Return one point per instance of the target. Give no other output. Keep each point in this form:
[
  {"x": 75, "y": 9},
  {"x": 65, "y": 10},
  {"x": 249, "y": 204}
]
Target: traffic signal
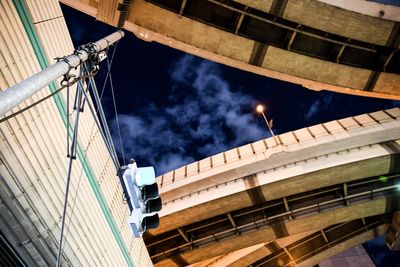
[{"x": 143, "y": 195}]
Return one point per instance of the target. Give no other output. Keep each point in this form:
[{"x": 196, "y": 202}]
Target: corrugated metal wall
[{"x": 33, "y": 159}]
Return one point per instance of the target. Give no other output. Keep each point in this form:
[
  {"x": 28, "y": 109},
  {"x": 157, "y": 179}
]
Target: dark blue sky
[
  {"x": 175, "y": 108},
  {"x": 388, "y": 2}
]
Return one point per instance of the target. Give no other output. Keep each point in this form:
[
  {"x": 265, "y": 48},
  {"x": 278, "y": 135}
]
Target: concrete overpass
[
  {"x": 358, "y": 151},
  {"x": 318, "y": 191},
  {"x": 344, "y": 46}
]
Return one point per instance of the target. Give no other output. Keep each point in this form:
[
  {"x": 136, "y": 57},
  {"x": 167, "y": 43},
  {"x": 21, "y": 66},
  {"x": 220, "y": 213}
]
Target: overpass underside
[
  {"x": 308, "y": 42},
  {"x": 318, "y": 191},
  {"x": 311, "y": 222}
]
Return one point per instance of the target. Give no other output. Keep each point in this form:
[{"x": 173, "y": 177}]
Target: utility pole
[
  {"x": 13, "y": 96},
  {"x": 18, "y": 93}
]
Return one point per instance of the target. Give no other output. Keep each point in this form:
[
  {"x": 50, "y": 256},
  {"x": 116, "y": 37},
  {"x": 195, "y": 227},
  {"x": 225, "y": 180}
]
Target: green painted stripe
[
  {"x": 40, "y": 55},
  {"x": 37, "y": 48}
]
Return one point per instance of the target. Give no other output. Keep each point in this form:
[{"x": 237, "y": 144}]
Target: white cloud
[
  {"x": 320, "y": 105},
  {"x": 202, "y": 116}
]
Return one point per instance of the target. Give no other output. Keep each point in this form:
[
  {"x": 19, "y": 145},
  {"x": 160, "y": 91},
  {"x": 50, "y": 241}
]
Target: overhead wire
[
  {"x": 103, "y": 131},
  {"x": 100, "y": 110},
  {"x": 116, "y": 115},
  {"x": 67, "y": 117},
  {"x": 69, "y": 171},
  {"x": 79, "y": 181},
  {"x": 108, "y": 138},
  {"x": 108, "y": 70},
  {"x": 78, "y": 106},
  {"x": 109, "y": 64}
]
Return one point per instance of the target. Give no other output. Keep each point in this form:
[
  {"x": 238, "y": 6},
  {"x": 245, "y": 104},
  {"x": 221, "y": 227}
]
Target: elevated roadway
[
  {"x": 345, "y": 46},
  {"x": 296, "y": 201}
]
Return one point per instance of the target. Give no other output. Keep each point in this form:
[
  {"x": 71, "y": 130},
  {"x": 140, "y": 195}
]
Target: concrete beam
[
  {"x": 355, "y": 241},
  {"x": 315, "y": 244},
  {"x": 107, "y": 11},
  {"x": 296, "y": 226},
  {"x": 368, "y": 8},
  {"x": 224, "y": 204},
  {"x": 247, "y": 256},
  {"x": 153, "y": 23},
  {"x": 339, "y": 21}
]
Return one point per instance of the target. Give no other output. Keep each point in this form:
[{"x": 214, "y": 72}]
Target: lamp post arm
[
  {"x": 19, "y": 92},
  {"x": 269, "y": 128}
]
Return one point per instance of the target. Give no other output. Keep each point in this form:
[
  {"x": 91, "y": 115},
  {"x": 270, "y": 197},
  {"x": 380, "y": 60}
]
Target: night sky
[{"x": 175, "y": 108}]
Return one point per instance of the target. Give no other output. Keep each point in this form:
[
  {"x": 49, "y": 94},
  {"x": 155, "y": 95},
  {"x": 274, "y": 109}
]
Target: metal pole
[
  {"x": 269, "y": 127},
  {"x": 18, "y": 93}
]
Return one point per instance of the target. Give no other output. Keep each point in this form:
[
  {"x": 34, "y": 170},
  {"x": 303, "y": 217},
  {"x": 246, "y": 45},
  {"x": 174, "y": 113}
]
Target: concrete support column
[{"x": 393, "y": 235}]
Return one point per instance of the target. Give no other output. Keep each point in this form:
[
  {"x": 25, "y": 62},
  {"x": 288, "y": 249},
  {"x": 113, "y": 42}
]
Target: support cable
[
  {"x": 95, "y": 118},
  {"x": 100, "y": 110},
  {"x": 80, "y": 100},
  {"x": 104, "y": 122},
  {"x": 112, "y": 155},
  {"x": 116, "y": 114},
  {"x": 69, "y": 172},
  {"x": 108, "y": 71},
  {"x": 125, "y": 197},
  {"x": 109, "y": 64},
  {"x": 79, "y": 182},
  {"x": 67, "y": 116}
]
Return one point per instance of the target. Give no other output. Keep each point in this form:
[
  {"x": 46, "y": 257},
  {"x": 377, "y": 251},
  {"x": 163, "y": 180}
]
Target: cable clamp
[{"x": 68, "y": 78}]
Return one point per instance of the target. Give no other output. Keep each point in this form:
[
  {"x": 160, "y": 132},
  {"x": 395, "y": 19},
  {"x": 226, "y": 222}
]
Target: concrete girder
[
  {"x": 223, "y": 47},
  {"x": 345, "y": 245},
  {"x": 314, "y": 248},
  {"x": 176, "y": 29},
  {"x": 338, "y": 173},
  {"x": 247, "y": 256},
  {"x": 277, "y": 224},
  {"x": 219, "y": 209},
  {"x": 343, "y": 173},
  {"x": 296, "y": 226}
]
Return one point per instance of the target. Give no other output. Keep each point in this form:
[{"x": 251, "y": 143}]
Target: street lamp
[{"x": 260, "y": 109}]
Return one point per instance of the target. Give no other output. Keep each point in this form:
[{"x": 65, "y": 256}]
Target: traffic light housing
[{"x": 144, "y": 198}]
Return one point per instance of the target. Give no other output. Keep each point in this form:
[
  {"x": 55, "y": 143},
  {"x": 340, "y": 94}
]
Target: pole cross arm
[{"x": 19, "y": 92}]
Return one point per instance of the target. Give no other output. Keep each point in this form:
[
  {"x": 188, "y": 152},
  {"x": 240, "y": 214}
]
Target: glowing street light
[{"x": 260, "y": 109}]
